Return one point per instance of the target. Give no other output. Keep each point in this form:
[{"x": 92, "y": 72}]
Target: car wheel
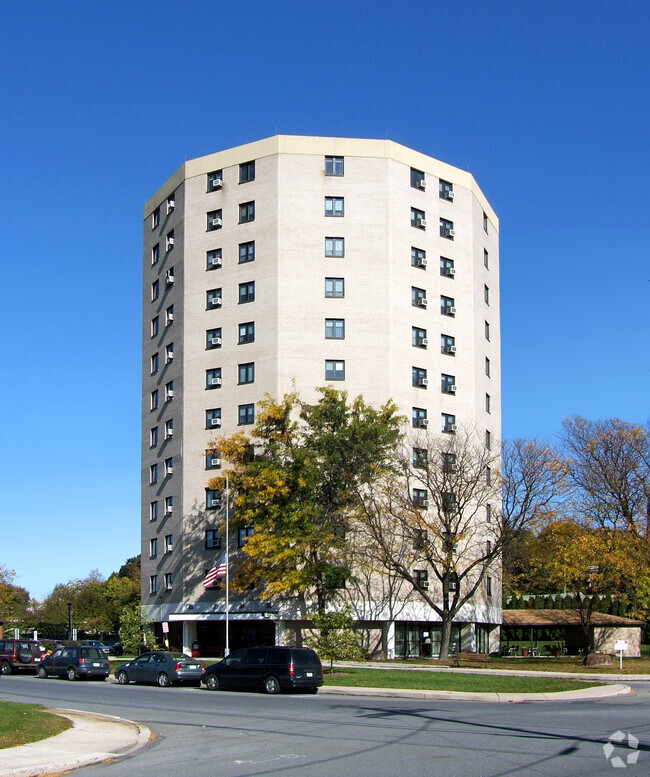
[
  {"x": 71, "y": 673},
  {"x": 212, "y": 682},
  {"x": 42, "y": 672},
  {"x": 122, "y": 678},
  {"x": 272, "y": 685},
  {"x": 6, "y": 669},
  {"x": 163, "y": 680}
]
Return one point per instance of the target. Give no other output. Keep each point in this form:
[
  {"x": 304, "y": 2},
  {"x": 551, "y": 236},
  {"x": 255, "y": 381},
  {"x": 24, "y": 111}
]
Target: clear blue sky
[{"x": 546, "y": 103}]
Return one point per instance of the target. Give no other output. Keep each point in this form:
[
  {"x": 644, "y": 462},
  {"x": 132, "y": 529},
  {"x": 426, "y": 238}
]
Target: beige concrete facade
[{"x": 290, "y": 227}]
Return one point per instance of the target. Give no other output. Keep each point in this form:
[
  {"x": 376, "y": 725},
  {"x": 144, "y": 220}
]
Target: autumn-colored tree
[
  {"x": 6, "y": 593},
  {"x": 294, "y": 481}
]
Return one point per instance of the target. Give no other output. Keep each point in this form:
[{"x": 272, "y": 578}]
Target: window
[
  {"x": 155, "y": 363},
  {"x": 246, "y": 414},
  {"x": 214, "y": 219},
  {"x": 488, "y": 439},
  {"x": 213, "y": 338},
  {"x": 418, "y": 297},
  {"x": 247, "y": 252},
  {"x": 212, "y": 499},
  {"x": 420, "y": 539},
  {"x": 419, "y": 377},
  {"x": 246, "y": 292},
  {"x": 488, "y": 586},
  {"x": 243, "y": 535},
  {"x": 421, "y": 578},
  {"x": 419, "y": 418},
  {"x": 155, "y": 326},
  {"x": 169, "y": 240},
  {"x": 247, "y": 373},
  {"x": 155, "y": 253},
  {"x": 154, "y": 399},
  {"x": 420, "y": 498},
  {"x": 247, "y": 332},
  {"x": 448, "y": 423},
  {"x": 445, "y": 190},
  {"x": 485, "y": 221},
  {"x": 247, "y": 172},
  {"x": 448, "y": 462},
  {"x": 212, "y": 539},
  {"x": 334, "y": 246},
  {"x": 153, "y": 437},
  {"x": 418, "y": 258},
  {"x": 153, "y": 474},
  {"x": 447, "y": 267},
  {"x": 334, "y": 287},
  {"x": 449, "y": 502},
  {"x": 447, "y": 384},
  {"x": 169, "y": 391},
  {"x": 333, "y": 165},
  {"x": 448, "y": 345},
  {"x": 169, "y": 429},
  {"x": 213, "y": 259},
  {"x": 213, "y": 418},
  {"x": 486, "y": 294},
  {"x": 487, "y": 366},
  {"x": 212, "y": 460},
  {"x": 488, "y": 404},
  {"x": 488, "y": 475},
  {"x": 417, "y": 179},
  {"x": 155, "y": 218},
  {"x": 487, "y": 330},
  {"x": 447, "y": 307},
  {"x": 247, "y": 212},
  {"x": 488, "y": 513},
  {"x": 418, "y": 218},
  {"x": 169, "y": 581},
  {"x": 169, "y": 277},
  {"x": 153, "y": 584},
  {"x": 213, "y": 299},
  {"x": 155, "y": 290},
  {"x": 334, "y": 369},
  {"x": 419, "y": 337},
  {"x": 334, "y": 206},
  {"x": 169, "y": 543},
  {"x": 486, "y": 259},
  {"x": 169, "y": 353},
  {"x": 169, "y": 466},
  {"x": 215, "y": 180},
  {"x": 153, "y": 511},
  {"x": 335, "y": 328},
  {"x": 169, "y": 315},
  {"x": 447, "y": 229},
  {"x": 420, "y": 458},
  {"x": 153, "y": 547},
  {"x": 213, "y": 378}
]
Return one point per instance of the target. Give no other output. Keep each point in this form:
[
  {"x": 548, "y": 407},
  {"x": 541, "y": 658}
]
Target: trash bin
[{"x": 196, "y": 653}]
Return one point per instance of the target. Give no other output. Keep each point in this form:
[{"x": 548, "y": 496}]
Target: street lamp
[{"x": 69, "y": 620}]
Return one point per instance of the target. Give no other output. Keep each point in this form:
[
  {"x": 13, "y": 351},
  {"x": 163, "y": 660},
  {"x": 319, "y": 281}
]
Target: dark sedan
[{"x": 161, "y": 667}]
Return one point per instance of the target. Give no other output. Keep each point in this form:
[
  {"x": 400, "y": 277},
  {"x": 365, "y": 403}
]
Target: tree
[
  {"x": 335, "y": 639},
  {"x": 295, "y": 482},
  {"x": 6, "y": 592},
  {"x": 135, "y": 629}
]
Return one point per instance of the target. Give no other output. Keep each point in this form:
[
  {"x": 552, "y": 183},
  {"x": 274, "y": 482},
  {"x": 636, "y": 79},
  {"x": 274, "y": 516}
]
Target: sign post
[{"x": 621, "y": 645}]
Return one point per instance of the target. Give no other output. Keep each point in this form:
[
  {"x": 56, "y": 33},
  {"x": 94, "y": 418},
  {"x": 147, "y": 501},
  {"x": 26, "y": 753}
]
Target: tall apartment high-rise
[{"x": 304, "y": 261}]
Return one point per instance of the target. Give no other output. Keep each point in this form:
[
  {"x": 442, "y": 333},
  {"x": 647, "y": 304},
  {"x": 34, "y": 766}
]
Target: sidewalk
[{"x": 92, "y": 739}]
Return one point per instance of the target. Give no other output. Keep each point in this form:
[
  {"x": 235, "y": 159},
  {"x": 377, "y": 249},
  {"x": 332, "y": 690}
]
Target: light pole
[{"x": 69, "y": 620}]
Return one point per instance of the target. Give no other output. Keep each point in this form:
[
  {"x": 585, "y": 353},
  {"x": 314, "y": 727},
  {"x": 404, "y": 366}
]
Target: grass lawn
[
  {"x": 24, "y": 723},
  {"x": 452, "y": 681},
  {"x": 571, "y": 664}
]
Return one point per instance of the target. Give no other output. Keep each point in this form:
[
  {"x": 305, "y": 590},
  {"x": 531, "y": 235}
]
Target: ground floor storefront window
[{"x": 422, "y": 640}]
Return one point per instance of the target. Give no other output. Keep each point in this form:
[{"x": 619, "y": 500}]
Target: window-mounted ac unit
[
  {"x": 424, "y": 584},
  {"x": 215, "y": 261},
  {"x": 216, "y": 302},
  {"x": 451, "y": 311},
  {"x": 216, "y": 461},
  {"x": 424, "y": 342},
  {"x": 169, "y": 549},
  {"x": 424, "y": 503},
  {"x": 422, "y": 223},
  {"x": 452, "y": 349},
  {"x": 170, "y": 470},
  {"x": 170, "y": 242},
  {"x": 449, "y": 194},
  {"x": 451, "y": 271},
  {"x": 215, "y": 381},
  {"x": 170, "y": 318},
  {"x": 170, "y": 206},
  {"x": 421, "y": 184},
  {"x": 424, "y": 422},
  {"x": 451, "y": 233},
  {"x": 423, "y": 382},
  {"x": 216, "y": 222},
  {"x": 215, "y": 422},
  {"x": 215, "y": 341},
  {"x": 217, "y": 183},
  {"x": 170, "y": 393},
  {"x": 453, "y": 427},
  {"x": 422, "y": 262},
  {"x": 169, "y": 434},
  {"x": 452, "y": 389},
  {"x": 423, "y": 302}
]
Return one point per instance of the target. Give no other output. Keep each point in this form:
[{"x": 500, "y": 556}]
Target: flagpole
[{"x": 227, "y": 650}]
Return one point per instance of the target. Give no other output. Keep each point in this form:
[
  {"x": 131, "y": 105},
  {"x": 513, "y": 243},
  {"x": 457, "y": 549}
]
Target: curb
[{"x": 92, "y": 739}]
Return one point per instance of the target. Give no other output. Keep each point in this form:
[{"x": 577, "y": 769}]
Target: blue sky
[{"x": 546, "y": 103}]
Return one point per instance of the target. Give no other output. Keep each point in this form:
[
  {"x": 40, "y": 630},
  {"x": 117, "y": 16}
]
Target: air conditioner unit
[
  {"x": 170, "y": 356},
  {"x": 449, "y": 194},
  {"x": 424, "y": 503},
  {"x": 170, "y": 206},
  {"x": 170, "y": 317},
  {"x": 216, "y": 302},
  {"x": 422, "y": 223},
  {"x": 170, "y": 242},
  {"x": 424, "y": 422},
  {"x": 215, "y": 341},
  {"x": 451, "y": 271},
  {"x": 451, "y": 233},
  {"x": 169, "y": 434},
  {"x": 215, "y": 381},
  {"x": 216, "y": 461},
  {"x": 453, "y": 427},
  {"x": 170, "y": 393},
  {"x": 423, "y": 302},
  {"x": 217, "y": 183},
  {"x": 169, "y": 549},
  {"x": 421, "y": 184},
  {"x": 169, "y": 279},
  {"x": 452, "y": 349},
  {"x": 424, "y": 584},
  {"x": 170, "y": 470},
  {"x": 216, "y": 222},
  {"x": 424, "y": 342},
  {"x": 422, "y": 262},
  {"x": 215, "y": 261},
  {"x": 451, "y": 311},
  {"x": 423, "y": 382},
  {"x": 215, "y": 422},
  {"x": 451, "y": 389}
]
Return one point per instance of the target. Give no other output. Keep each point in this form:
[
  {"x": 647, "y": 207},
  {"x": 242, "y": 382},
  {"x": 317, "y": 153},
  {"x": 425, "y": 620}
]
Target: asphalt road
[{"x": 204, "y": 734}]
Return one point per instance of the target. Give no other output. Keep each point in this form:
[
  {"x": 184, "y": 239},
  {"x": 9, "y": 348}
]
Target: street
[{"x": 204, "y": 734}]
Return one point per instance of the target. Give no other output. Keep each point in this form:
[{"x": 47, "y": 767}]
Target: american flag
[{"x": 218, "y": 570}]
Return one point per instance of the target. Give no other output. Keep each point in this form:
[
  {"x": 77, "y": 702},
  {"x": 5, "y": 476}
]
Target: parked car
[
  {"x": 19, "y": 655},
  {"x": 271, "y": 669},
  {"x": 75, "y": 661},
  {"x": 114, "y": 646},
  {"x": 162, "y": 667},
  {"x": 96, "y": 643}
]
